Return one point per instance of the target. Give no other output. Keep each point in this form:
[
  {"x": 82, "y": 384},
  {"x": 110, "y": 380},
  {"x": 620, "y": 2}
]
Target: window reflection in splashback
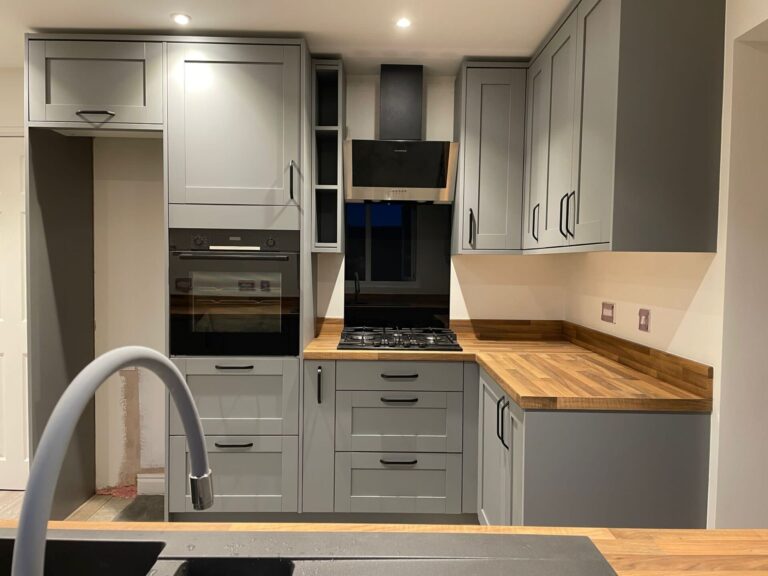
[{"x": 397, "y": 265}]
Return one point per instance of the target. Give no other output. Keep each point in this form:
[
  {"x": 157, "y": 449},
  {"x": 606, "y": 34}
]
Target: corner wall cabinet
[
  {"x": 97, "y": 83},
  {"x": 328, "y": 134},
  {"x": 490, "y": 124},
  {"x": 623, "y": 129},
  {"x": 234, "y": 124}
]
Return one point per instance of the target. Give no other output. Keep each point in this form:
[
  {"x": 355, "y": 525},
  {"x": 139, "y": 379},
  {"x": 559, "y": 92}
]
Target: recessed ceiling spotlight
[
  {"x": 403, "y": 23},
  {"x": 181, "y": 19}
]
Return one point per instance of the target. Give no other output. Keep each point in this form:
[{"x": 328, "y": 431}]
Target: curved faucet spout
[{"x": 29, "y": 549}]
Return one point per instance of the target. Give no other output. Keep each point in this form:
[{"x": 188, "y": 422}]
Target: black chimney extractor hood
[{"x": 401, "y": 103}]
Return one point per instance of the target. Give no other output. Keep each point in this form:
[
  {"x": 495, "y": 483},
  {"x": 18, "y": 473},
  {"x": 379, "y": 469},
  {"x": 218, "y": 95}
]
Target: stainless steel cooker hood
[{"x": 400, "y": 165}]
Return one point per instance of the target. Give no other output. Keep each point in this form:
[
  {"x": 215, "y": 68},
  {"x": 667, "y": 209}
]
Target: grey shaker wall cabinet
[
  {"x": 611, "y": 469},
  {"x": 490, "y": 123},
  {"x": 234, "y": 124},
  {"x": 646, "y": 143},
  {"x": 551, "y": 127},
  {"x": 97, "y": 84}
]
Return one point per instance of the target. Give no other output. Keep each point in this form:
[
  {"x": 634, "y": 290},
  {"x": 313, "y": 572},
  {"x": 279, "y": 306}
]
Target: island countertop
[
  {"x": 630, "y": 552},
  {"x": 586, "y": 371}
]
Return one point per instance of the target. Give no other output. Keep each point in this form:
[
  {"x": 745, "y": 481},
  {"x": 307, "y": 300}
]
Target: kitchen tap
[{"x": 29, "y": 549}]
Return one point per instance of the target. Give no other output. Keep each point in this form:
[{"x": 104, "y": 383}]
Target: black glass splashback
[{"x": 398, "y": 264}]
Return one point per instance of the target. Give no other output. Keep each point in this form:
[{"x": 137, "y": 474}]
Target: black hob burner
[{"x": 367, "y": 338}]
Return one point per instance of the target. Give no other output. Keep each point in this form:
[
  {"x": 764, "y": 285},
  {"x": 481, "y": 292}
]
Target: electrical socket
[
  {"x": 644, "y": 320},
  {"x": 607, "y": 314}
]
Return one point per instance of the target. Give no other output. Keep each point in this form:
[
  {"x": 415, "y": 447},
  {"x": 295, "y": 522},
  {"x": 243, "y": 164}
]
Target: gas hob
[{"x": 366, "y": 338}]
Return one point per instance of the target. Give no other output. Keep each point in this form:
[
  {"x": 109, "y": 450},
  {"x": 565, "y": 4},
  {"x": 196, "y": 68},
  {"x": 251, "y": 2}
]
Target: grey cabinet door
[
  {"x": 553, "y": 147},
  {"x": 96, "y": 83},
  {"x": 398, "y": 421},
  {"x": 251, "y": 473},
  {"x": 599, "y": 22},
  {"x": 242, "y": 396},
  {"x": 537, "y": 152},
  {"x": 494, "y": 469},
  {"x": 234, "y": 124},
  {"x": 562, "y": 132},
  {"x": 493, "y": 158},
  {"x": 318, "y": 436},
  {"x": 398, "y": 482}
]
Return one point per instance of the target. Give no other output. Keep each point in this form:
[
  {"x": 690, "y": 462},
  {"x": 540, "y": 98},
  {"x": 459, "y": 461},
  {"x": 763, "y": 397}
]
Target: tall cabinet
[{"x": 490, "y": 123}]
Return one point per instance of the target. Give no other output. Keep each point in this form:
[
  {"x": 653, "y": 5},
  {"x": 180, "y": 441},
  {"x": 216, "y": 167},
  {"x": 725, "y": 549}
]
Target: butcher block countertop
[
  {"x": 630, "y": 552},
  {"x": 558, "y": 366}
]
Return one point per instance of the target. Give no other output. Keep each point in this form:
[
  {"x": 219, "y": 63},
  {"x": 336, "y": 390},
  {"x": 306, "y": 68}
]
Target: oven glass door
[{"x": 234, "y": 304}]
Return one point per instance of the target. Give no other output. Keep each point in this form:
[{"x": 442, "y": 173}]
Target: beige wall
[
  {"x": 742, "y": 472},
  {"x": 129, "y": 296},
  {"x": 11, "y": 99}
]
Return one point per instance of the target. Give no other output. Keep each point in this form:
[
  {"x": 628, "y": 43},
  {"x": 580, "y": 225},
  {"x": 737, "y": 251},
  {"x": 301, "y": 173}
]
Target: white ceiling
[{"x": 362, "y": 31}]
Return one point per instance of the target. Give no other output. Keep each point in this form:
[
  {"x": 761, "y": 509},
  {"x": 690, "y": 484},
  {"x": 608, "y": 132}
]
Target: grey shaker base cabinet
[
  {"x": 611, "y": 469},
  {"x": 242, "y": 396},
  {"x": 398, "y": 482},
  {"x": 387, "y": 437},
  {"x": 250, "y": 474}
]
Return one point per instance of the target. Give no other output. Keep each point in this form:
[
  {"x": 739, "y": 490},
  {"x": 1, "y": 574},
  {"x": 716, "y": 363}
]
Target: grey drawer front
[
  {"x": 124, "y": 78},
  {"x": 257, "y": 474},
  {"x": 258, "y": 396},
  {"x": 389, "y": 421},
  {"x": 362, "y": 375},
  {"x": 431, "y": 485}
]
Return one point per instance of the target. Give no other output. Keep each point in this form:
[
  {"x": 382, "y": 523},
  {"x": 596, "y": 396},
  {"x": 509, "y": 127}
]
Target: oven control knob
[
  {"x": 198, "y": 241},
  {"x": 271, "y": 242}
]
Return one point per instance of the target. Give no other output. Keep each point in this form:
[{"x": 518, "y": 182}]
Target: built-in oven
[{"x": 234, "y": 292}]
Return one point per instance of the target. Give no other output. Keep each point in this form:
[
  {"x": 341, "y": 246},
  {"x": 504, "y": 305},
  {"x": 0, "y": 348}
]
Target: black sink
[
  {"x": 236, "y": 567},
  {"x": 91, "y": 558}
]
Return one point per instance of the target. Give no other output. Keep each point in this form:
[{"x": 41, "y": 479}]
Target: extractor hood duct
[{"x": 400, "y": 165}]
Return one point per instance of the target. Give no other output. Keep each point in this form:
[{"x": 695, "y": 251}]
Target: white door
[{"x": 14, "y": 452}]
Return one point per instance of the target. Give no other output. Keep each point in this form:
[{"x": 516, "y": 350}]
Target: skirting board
[{"x": 150, "y": 484}]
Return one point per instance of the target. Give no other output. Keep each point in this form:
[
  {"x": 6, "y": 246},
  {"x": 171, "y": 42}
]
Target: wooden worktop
[
  {"x": 630, "y": 552},
  {"x": 547, "y": 373}
]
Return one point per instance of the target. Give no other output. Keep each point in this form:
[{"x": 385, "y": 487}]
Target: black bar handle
[
  {"x": 501, "y": 436},
  {"x": 231, "y": 256},
  {"x": 398, "y": 462},
  {"x": 471, "y": 226},
  {"x": 399, "y": 400},
  {"x": 535, "y": 223},
  {"x": 235, "y": 367},
  {"x": 399, "y": 376},
  {"x": 291, "y": 165},
  {"x": 233, "y": 445},
  {"x": 568, "y": 215},
  {"x": 565, "y": 234},
  {"x": 319, "y": 384},
  {"x": 498, "y": 416},
  {"x": 89, "y": 112}
]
